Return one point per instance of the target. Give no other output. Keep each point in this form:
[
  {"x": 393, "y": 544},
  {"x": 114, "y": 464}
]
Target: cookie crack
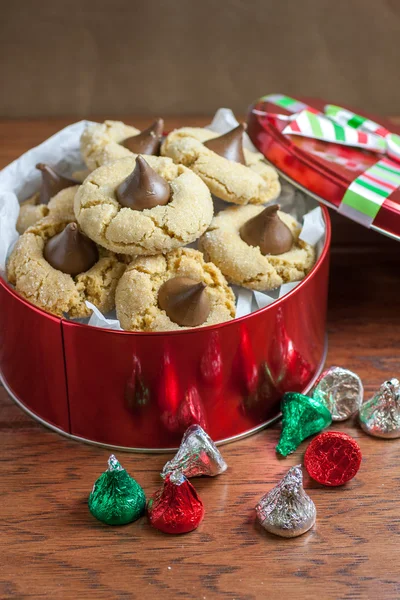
[
  {"x": 165, "y": 229},
  {"x": 103, "y": 234},
  {"x": 209, "y": 177},
  {"x": 96, "y": 202}
]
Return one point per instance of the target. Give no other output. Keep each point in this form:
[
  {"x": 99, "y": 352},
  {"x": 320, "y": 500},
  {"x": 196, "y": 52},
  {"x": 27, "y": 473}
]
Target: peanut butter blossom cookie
[
  {"x": 175, "y": 291},
  {"x": 102, "y": 143},
  {"x": 230, "y": 171},
  {"x": 55, "y": 197},
  {"x": 56, "y": 267},
  {"x": 143, "y": 205},
  {"x": 257, "y": 247}
]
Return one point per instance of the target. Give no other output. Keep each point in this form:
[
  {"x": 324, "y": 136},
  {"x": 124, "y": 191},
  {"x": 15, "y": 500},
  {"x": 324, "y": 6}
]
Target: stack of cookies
[{"x": 119, "y": 238}]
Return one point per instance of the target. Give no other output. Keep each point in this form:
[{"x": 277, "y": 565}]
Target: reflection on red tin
[
  {"x": 257, "y": 405},
  {"x": 137, "y": 395},
  {"x": 298, "y": 370},
  {"x": 246, "y": 364},
  {"x": 190, "y": 412},
  {"x": 288, "y": 368},
  {"x": 211, "y": 361},
  {"x": 168, "y": 391}
]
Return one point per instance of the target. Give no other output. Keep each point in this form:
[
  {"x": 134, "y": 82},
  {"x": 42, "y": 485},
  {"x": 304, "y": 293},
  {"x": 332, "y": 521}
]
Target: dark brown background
[{"x": 189, "y": 57}]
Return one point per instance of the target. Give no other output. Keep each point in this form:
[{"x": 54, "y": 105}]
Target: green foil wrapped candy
[
  {"x": 301, "y": 417},
  {"x": 116, "y": 498}
]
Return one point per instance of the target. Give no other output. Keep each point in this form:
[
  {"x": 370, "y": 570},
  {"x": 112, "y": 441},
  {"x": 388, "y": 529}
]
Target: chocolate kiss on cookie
[
  {"x": 148, "y": 141},
  {"x": 143, "y": 188},
  {"x": 52, "y": 183},
  {"x": 229, "y": 145},
  {"x": 185, "y": 301},
  {"x": 267, "y": 231},
  {"x": 71, "y": 251}
]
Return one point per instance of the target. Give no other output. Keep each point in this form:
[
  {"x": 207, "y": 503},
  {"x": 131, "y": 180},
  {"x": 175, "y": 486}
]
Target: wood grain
[{"x": 51, "y": 547}]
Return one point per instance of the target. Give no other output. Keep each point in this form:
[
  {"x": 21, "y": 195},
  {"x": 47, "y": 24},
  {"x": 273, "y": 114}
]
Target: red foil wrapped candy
[
  {"x": 332, "y": 458},
  {"x": 175, "y": 507}
]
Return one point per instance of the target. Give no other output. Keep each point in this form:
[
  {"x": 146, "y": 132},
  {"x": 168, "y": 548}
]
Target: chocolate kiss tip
[
  {"x": 148, "y": 141},
  {"x": 229, "y": 145},
  {"x": 71, "y": 251},
  {"x": 143, "y": 188},
  {"x": 185, "y": 301},
  {"x": 52, "y": 183},
  {"x": 267, "y": 231}
]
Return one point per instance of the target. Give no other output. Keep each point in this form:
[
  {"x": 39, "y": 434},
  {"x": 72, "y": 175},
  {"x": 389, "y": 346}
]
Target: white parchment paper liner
[{"x": 20, "y": 179}]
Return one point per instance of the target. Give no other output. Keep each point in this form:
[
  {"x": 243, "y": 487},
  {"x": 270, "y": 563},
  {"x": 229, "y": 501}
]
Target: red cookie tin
[
  {"x": 323, "y": 170},
  {"x": 140, "y": 391}
]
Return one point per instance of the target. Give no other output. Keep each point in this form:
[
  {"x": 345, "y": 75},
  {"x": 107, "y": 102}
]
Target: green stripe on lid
[
  {"x": 360, "y": 203},
  {"x": 315, "y": 126},
  {"x": 372, "y": 188},
  {"x": 339, "y": 132},
  {"x": 356, "y": 121},
  {"x": 286, "y": 101},
  {"x": 388, "y": 169}
]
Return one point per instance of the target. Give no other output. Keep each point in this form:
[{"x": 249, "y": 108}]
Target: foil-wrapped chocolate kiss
[
  {"x": 340, "y": 390},
  {"x": 197, "y": 455},
  {"x": 380, "y": 416},
  {"x": 287, "y": 510}
]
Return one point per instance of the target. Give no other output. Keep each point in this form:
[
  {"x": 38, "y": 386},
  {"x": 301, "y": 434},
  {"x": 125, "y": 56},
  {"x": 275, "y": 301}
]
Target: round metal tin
[{"x": 140, "y": 391}]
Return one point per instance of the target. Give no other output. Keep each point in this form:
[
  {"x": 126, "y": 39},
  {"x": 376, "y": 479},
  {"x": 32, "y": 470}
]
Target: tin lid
[{"x": 324, "y": 170}]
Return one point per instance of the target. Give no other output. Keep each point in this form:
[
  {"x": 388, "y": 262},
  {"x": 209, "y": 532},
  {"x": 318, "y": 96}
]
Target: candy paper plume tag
[{"x": 197, "y": 455}]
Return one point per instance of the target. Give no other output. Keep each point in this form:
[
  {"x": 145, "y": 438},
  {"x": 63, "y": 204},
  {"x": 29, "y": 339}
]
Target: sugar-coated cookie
[
  {"x": 102, "y": 143},
  {"x": 60, "y": 206},
  {"x": 254, "y": 182},
  {"x": 244, "y": 264},
  {"x": 53, "y": 290},
  {"x": 124, "y": 225},
  {"x": 38, "y": 206},
  {"x": 137, "y": 296}
]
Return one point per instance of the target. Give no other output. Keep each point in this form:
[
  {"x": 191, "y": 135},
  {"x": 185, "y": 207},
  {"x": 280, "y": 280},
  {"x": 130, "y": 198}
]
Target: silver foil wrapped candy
[
  {"x": 287, "y": 510},
  {"x": 197, "y": 455},
  {"x": 380, "y": 416},
  {"x": 340, "y": 390}
]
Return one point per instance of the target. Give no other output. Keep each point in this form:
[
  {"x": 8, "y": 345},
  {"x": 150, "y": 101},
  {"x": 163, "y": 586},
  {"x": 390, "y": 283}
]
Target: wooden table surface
[{"x": 51, "y": 547}]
